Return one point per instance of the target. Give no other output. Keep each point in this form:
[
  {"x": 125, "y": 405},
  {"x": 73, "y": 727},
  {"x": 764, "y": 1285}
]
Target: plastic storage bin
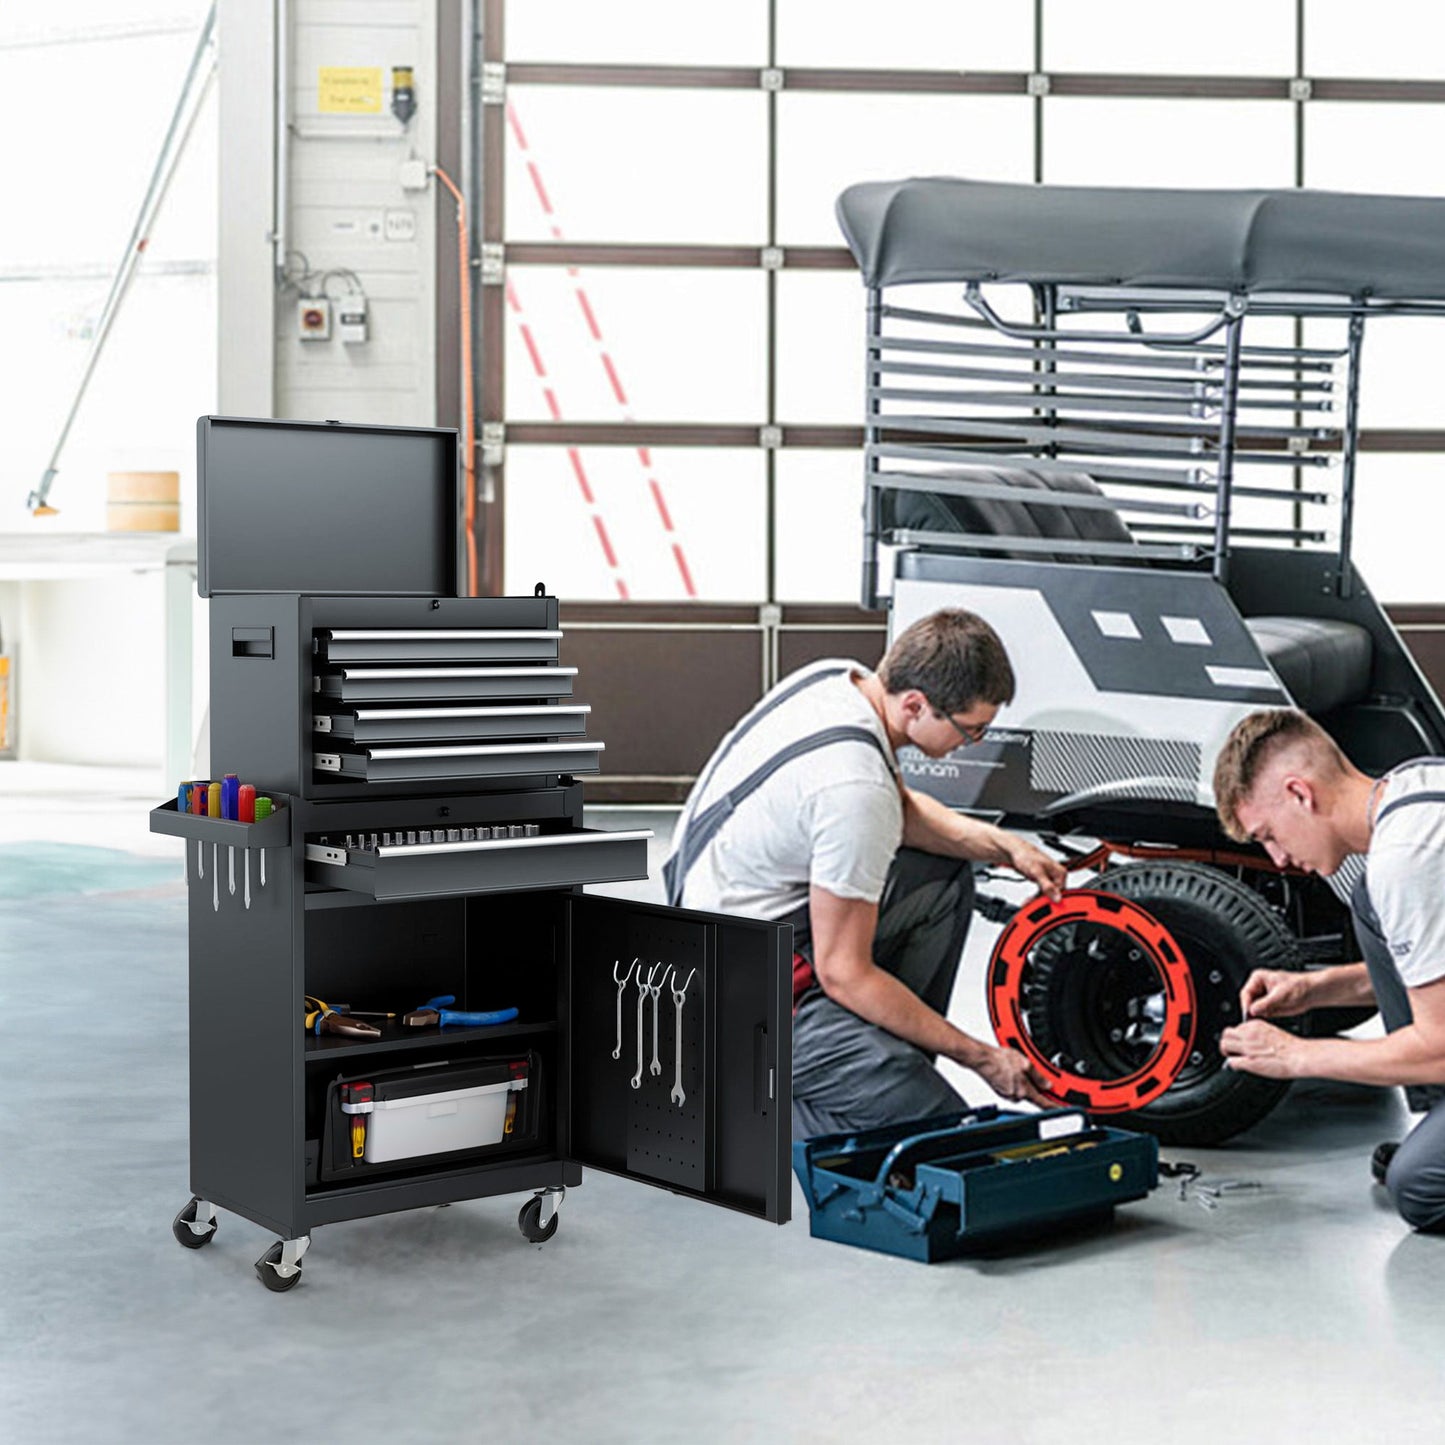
[{"x": 426, "y": 1112}]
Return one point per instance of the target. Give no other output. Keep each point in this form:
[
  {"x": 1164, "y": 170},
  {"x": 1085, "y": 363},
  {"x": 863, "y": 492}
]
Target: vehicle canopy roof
[{"x": 1292, "y": 241}]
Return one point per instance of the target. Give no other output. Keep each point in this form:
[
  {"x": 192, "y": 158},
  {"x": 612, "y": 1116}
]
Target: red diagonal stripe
[
  {"x": 682, "y": 567},
  {"x": 645, "y": 453},
  {"x": 541, "y": 189},
  {"x": 661, "y": 505},
  {"x": 614, "y": 379},
  {"x": 512, "y": 300},
  {"x": 532, "y": 350},
  {"x": 516, "y": 127},
  {"x": 622, "y": 591},
  {"x": 592, "y": 325},
  {"x": 552, "y": 403},
  {"x": 581, "y": 472},
  {"x": 605, "y": 540}
]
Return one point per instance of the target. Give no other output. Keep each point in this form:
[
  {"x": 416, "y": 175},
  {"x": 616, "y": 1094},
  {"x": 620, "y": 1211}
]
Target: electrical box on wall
[
  {"x": 351, "y": 319},
  {"x": 313, "y": 318}
]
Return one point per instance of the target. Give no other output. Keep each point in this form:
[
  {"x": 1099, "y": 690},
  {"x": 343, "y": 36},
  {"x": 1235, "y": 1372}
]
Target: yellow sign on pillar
[{"x": 349, "y": 90}]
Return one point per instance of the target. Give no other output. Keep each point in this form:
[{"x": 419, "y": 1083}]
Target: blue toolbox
[{"x": 932, "y": 1189}]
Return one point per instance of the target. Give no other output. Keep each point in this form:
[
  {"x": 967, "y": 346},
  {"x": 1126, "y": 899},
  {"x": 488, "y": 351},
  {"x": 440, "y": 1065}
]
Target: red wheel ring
[{"x": 1009, "y": 963}]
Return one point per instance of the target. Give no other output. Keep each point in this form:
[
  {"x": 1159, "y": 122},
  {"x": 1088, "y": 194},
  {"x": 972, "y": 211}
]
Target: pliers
[
  {"x": 321, "y": 1018},
  {"x": 435, "y": 1011}
]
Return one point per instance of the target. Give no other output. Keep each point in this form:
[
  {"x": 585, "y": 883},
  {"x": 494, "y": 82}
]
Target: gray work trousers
[
  {"x": 849, "y": 1074},
  {"x": 1416, "y": 1178}
]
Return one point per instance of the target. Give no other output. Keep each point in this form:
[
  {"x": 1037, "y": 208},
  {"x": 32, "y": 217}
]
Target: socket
[{"x": 313, "y": 318}]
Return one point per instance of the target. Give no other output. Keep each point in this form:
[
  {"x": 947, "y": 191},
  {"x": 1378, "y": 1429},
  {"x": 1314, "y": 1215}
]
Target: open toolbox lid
[{"x": 328, "y": 508}]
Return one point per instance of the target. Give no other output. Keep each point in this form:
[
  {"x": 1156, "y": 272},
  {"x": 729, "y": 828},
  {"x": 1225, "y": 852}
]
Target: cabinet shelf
[{"x": 393, "y": 1037}]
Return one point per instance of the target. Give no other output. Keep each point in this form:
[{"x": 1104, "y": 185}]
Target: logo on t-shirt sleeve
[{"x": 1401, "y": 950}]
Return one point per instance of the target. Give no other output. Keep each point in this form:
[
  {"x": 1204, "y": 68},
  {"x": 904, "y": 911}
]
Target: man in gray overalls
[
  {"x": 801, "y": 816},
  {"x": 1282, "y": 782}
]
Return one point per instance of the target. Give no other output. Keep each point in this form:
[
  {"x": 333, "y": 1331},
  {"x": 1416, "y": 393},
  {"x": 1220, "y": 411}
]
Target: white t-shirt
[
  {"x": 832, "y": 817},
  {"x": 1406, "y": 874}
]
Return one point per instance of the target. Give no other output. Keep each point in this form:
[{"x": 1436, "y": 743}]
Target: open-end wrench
[
  {"x": 642, "y": 986},
  {"x": 655, "y": 1067},
  {"x": 621, "y": 989},
  {"x": 679, "y": 997}
]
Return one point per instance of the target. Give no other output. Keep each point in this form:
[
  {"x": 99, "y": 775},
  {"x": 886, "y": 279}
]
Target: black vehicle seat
[
  {"x": 937, "y": 512},
  {"x": 1322, "y": 663}
]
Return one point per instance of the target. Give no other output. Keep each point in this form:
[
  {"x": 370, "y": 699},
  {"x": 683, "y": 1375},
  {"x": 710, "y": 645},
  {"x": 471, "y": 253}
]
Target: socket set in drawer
[
  {"x": 418, "y": 837},
  {"x": 422, "y": 862}
]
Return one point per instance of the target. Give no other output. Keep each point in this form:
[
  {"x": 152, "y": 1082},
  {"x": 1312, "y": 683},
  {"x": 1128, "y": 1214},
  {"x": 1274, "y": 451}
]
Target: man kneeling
[{"x": 1282, "y": 782}]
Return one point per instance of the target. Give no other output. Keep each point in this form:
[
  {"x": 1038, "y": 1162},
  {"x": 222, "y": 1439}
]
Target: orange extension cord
[{"x": 469, "y": 426}]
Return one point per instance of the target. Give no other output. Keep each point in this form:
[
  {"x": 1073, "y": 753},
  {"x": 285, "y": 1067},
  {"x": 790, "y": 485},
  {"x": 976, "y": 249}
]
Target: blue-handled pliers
[{"x": 435, "y": 1011}]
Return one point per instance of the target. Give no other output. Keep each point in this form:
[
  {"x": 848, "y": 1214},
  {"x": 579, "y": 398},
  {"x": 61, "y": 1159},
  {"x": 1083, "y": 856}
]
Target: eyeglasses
[{"x": 969, "y": 732}]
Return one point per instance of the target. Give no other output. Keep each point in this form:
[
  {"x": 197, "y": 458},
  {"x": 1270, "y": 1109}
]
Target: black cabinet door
[{"x": 714, "y": 1120}]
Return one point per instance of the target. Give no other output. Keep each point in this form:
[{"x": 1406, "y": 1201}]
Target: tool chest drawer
[
  {"x": 449, "y": 724},
  {"x": 436, "y": 644},
  {"x": 932, "y": 1189},
  {"x": 451, "y": 684},
  {"x": 496, "y": 760},
  {"x": 424, "y": 863}
]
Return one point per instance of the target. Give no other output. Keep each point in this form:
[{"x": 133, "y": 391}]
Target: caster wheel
[
  {"x": 265, "y": 1270},
  {"x": 529, "y": 1221},
  {"x": 185, "y": 1235}
]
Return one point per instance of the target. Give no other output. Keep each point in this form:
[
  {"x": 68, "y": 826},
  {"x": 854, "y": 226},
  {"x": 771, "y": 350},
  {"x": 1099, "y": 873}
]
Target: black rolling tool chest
[{"x": 421, "y": 751}]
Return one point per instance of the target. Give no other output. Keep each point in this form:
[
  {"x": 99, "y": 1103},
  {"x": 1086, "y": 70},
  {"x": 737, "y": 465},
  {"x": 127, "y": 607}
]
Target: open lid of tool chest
[{"x": 329, "y": 508}]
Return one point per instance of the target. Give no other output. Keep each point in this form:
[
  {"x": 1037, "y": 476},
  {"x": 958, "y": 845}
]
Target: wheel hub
[{"x": 1098, "y": 996}]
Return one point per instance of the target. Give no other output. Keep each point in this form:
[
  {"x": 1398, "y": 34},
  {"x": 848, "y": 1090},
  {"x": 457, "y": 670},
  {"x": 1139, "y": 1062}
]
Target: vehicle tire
[
  {"x": 529, "y": 1221},
  {"x": 1224, "y": 932}
]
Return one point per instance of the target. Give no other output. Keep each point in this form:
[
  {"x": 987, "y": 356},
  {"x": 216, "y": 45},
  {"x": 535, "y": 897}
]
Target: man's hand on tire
[
  {"x": 1011, "y": 1076},
  {"x": 1274, "y": 993}
]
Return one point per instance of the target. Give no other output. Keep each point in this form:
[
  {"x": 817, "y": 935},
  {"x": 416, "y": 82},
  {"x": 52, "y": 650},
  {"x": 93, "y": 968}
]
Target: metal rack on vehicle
[
  {"x": 1122, "y": 425},
  {"x": 441, "y": 861}
]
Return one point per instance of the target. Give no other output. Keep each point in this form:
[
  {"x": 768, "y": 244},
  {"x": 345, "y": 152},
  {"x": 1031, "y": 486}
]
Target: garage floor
[{"x": 1304, "y": 1311}]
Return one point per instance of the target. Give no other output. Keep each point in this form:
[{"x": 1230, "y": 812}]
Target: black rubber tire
[
  {"x": 529, "y": 1221},
  {"x": 186, "y": 1237},
  {"x": 268, "y": 1276},
  {"x": 1224, "y": 931}
]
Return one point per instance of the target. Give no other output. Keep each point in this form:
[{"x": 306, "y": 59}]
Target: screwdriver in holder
[
  {"x": 263, "y": 810},
  {"x": 246, "y": 813}
]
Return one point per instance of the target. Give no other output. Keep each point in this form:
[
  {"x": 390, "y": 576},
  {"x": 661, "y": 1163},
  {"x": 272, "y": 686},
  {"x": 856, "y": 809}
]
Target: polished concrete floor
[{"x": 1304, "y": 1310}]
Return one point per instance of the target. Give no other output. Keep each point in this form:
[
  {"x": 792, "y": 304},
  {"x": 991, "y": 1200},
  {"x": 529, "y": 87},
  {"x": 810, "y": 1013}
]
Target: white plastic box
[{"x": 438, "y": 1123}]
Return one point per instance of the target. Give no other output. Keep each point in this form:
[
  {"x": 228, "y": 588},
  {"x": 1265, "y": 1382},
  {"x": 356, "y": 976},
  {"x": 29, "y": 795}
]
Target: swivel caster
[
  {"x": 195, "y": 1226},
  {"x": 279, "y": 1268},
  {"x": 535, "y": 1229}
]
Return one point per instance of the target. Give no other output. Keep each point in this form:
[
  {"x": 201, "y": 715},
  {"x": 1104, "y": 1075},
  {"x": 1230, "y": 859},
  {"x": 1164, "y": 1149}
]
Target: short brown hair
[
  {"x": 1255, "y": 742},
  {"x": 954, "y": 658}
]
